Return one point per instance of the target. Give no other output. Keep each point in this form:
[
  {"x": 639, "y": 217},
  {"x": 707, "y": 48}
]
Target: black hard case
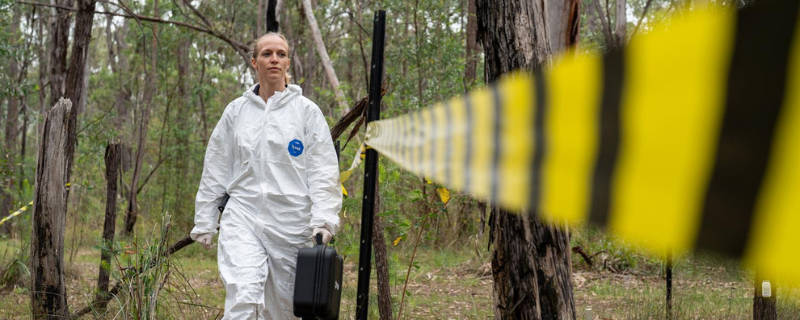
[{"x": 318, "y": 282}]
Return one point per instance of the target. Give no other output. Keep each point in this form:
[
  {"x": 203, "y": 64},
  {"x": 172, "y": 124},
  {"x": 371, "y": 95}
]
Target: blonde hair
[{"x": 254, "y": 50}]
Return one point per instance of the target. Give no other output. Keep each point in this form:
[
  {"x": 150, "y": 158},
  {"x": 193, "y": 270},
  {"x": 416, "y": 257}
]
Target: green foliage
[
  {"x": 14, "y": 268},
  {"x": 7, "y": 50},
  {"x": 145, "y": 269}
]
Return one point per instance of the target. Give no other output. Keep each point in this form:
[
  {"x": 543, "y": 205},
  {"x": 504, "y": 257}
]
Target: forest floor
[{"x": 450, "y": 284}]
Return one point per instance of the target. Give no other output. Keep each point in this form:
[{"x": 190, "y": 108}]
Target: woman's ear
[{"x": 253, "y": 63}]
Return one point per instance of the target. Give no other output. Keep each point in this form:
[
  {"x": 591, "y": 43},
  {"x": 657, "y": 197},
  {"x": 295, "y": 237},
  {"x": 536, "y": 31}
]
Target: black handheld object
[
  {"x": 318, "y": 282},
  {"x": 223, "y": 203}
]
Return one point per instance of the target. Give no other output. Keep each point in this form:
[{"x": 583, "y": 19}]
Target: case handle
[{"x": 223, "y": 203}]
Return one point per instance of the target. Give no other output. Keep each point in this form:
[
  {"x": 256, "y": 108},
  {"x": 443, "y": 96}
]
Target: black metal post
[
  {"x": 371, "y": 168},
  {"x": 338, "y": 149}
]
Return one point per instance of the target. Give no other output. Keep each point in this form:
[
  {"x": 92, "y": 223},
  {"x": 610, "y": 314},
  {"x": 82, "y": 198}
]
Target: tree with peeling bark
[{"x": 531, "y": 262}]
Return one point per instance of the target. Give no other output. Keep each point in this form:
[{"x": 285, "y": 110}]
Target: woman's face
[{"x": 272, "y": 59}]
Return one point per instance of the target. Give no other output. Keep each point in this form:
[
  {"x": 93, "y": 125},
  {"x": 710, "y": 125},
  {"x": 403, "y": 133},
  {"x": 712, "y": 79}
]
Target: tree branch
[
  {"x": 139, "y": 189},
  {"x": 606, "y": 24},
  {"x": 239, "y": 47},
  {"x": 644, "y": 14}
]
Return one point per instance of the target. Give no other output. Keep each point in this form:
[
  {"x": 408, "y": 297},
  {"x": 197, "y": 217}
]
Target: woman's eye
[{"x": 283, "y": 55}]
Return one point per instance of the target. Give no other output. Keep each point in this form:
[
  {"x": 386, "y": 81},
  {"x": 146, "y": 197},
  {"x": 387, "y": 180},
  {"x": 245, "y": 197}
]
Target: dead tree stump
[{"x": 48, "y": 293}]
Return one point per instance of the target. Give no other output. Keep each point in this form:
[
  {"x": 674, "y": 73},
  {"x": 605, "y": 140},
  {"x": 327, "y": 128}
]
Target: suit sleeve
[
  {"x": 216, "y": 177},
  {"x": 322, "y": 173}
]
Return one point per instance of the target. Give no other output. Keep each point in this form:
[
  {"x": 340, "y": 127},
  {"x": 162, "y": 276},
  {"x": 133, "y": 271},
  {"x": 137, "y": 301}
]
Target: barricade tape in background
[
  {"x": 21, "y": 210},
  {"x": 687, "y": 139},
  {"x": 15, "y": 213}
]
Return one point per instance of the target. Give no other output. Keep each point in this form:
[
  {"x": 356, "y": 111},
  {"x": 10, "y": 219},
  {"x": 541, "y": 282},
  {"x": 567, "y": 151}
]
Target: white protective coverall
[{"x": 277, "y": 162}]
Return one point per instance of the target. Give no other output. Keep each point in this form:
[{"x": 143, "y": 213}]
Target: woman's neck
[{"x": 267, "y": 90}]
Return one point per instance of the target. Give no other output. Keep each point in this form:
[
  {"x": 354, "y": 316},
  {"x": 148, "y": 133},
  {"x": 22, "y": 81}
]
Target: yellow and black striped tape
[
  {"x": 686, "y": 139},
  {"x": 15, "y": 213}
]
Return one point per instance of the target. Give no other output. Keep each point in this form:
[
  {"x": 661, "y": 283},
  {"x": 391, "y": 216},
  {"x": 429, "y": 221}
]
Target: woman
[{"x": 272, "y": 153}]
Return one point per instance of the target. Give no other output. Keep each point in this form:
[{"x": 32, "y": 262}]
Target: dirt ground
[{"x": 462, "y": 291}]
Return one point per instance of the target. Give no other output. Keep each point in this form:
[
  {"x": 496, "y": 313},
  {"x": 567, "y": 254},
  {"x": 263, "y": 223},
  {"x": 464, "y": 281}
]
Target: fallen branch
[{"x": 586, "y": 257}]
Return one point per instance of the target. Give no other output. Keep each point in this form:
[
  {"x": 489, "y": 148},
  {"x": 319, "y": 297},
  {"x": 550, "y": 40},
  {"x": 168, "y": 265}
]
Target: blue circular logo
[{"x": 296, "y": 148}]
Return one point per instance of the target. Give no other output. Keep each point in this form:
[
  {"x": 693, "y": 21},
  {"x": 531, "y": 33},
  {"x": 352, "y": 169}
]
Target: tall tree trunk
[
  {"x": 43, "y": 67},
  {"x": 381, "y": 262},
  {"x": 12, "y": 113},
  {"x": 278, "y": 9},
  {"x": 261, "y": 19},
  {"x": 112, "y": 170},
  {"x": 563, "y": 24},
  {"x": 472, "y": 49},
  {"x": 23, "y": 143},
  {"x": 203, "y": 118},
  {"x": 118, "y": 61},
  {"x": 75, "y": 77},
  {"x": 621, "y": 23},
  {"x": 84, "y": 99},
  {"x": 132, "y": 212},
  {"x": 59, "y": 33},
  {"x": 513, "y": 34},
  {"x": 183, "y": 108},
  {"x": 309, "y": 64},
  {"x": 323, "y": 55},
  {"x": 48, "y": 292},
  {"x": 419, "y": 32},
  {"x": 531, "y": 260}
]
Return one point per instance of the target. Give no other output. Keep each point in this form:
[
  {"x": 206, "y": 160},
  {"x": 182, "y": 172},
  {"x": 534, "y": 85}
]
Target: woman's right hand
[{"x": 205, "y": 240}]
